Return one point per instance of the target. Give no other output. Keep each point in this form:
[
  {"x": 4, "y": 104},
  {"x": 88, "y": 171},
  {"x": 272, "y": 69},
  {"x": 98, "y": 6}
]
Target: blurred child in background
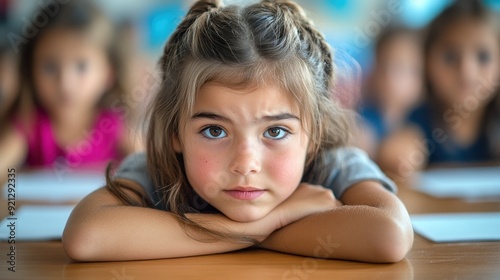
[
  {"x": 460, "y": 121},
  {"x": 394, "y": 86},
  {"x": 69, "y": 70}
]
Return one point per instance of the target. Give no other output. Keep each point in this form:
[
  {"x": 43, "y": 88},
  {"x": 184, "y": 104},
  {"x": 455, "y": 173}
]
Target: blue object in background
[
  {"x": 340, "y": 8},
  {"x": 418, "y": 13},
  {"x": 493, "y": 4},
  {"x": 161, "y": 22}
]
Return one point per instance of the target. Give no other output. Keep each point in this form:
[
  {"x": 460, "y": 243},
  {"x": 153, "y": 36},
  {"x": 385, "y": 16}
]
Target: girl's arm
[
  {"x": 102, "y": 228},
  {"x": 372, "y": 226},
  {"x": 403, "y": 153}
]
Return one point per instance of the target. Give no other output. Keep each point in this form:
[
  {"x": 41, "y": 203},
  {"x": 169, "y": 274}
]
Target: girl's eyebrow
[{"x": 213, "y": 116}]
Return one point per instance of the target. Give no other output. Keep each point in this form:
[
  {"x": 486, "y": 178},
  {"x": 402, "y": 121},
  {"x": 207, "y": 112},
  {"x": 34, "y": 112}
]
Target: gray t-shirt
[{"x": 348, "y": 166}]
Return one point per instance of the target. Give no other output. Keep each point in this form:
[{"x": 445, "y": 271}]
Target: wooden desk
[{"x": 427, "y": 260}]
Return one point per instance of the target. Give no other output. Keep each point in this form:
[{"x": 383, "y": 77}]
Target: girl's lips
[
  {"x": 245, "y": 189},
  {"x": 245, "y": 193}
]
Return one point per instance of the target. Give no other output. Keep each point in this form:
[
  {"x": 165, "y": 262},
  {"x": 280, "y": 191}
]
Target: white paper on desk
[
  {"x": 471, "y": 183},
  {"x": 458, "y": 227},
  {"x": 46, "y": 185},
  {"x": 40, "y": 222}
]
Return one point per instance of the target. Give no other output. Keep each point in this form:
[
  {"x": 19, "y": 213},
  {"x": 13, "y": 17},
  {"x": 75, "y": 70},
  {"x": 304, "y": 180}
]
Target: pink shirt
[{"x": 98, "y": 145}]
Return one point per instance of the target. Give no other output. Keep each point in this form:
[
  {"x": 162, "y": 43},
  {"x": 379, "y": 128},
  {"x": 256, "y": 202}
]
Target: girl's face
[
  {"x": 398, "y": 73},
  {"x": 244, "y": 150},
  {"x": 463, "y": 65},
  {"x": 70, "y": 72}
]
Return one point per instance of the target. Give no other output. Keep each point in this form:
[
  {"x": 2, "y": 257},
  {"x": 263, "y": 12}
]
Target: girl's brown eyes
[
  {"x": 452, "y": 57},
  {"x": 276, "y": 133},
  {"x": 483, "y": 56},
  {"x": 213, "y": 132},
  {"x": 217, "y": 132}
]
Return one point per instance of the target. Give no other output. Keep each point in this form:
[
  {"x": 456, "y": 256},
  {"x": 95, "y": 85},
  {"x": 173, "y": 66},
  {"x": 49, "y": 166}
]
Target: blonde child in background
[
  {"x": 244, "y": 148},
  {"x": 460, "y": 122},
  {"x": 394, "y": 87},
  {"x": 69, "y": 70}
]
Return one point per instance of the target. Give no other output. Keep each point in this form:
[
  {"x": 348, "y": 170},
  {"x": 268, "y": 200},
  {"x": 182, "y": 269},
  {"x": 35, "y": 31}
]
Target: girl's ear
[{"x": 176, "y": 144}]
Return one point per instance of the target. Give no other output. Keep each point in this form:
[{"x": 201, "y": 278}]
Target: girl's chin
[{"x": 246, "y": 216}]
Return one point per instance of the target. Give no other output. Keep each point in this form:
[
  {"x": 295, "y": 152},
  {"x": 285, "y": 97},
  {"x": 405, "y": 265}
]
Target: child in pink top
[
  {"x": 98, "y": 146},
  {"x": 76, "y": 116}
]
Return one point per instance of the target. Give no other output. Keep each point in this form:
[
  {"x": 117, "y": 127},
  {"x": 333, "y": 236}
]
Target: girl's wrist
[{"x": 258, "y": 229}]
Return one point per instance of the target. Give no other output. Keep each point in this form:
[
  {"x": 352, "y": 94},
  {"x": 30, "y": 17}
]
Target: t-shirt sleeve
[
  {"x": 134, "y": 167},
  {"x": 350, "y": 166}
]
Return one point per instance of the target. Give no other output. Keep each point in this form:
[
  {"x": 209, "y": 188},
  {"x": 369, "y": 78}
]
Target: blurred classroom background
[{"x": 352, "y": 27}]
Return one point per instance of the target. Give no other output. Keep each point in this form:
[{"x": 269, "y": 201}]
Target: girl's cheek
[
  {"x": 210, "y": 168},
  {"x": 204, "y": 172},
  {"x": 286, "y": 166},
  {"x": 286, "y": 169}
]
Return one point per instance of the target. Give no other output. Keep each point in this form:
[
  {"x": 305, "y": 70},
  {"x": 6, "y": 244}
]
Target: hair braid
[
  {"x": 313, "y": 41},
  {"x": 335, "y": 120}
]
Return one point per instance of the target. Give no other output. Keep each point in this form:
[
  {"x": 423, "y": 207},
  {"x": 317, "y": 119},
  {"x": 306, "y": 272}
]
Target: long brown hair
[{"x": 267, "y": 42}]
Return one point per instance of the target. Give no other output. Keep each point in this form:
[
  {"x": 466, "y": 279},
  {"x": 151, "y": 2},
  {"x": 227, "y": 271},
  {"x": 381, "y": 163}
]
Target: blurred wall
[{"x": 349, "y": 25}]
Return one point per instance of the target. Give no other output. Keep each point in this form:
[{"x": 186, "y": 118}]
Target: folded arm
[
  {"x": 372, "y": 225},
  {"x": 102, "y": 228}
]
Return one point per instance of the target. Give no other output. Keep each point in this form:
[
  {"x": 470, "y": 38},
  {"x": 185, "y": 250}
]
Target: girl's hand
[{"x": 306, "y": 200}]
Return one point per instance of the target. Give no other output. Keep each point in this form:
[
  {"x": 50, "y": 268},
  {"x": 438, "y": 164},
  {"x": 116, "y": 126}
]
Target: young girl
[
  {"x": 242, "y": 151},
  {"x": 394, "y": 86},
  {"x": 460, "y": 121},
  {"x": 69, "y": 69}
]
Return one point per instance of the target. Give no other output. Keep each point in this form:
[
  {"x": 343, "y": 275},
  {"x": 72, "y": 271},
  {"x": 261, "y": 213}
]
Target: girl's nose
[
  {"x": 468, "y": 69},
  {"x": 246, "y": 160},
  {"x": 67, "y": 81}
]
